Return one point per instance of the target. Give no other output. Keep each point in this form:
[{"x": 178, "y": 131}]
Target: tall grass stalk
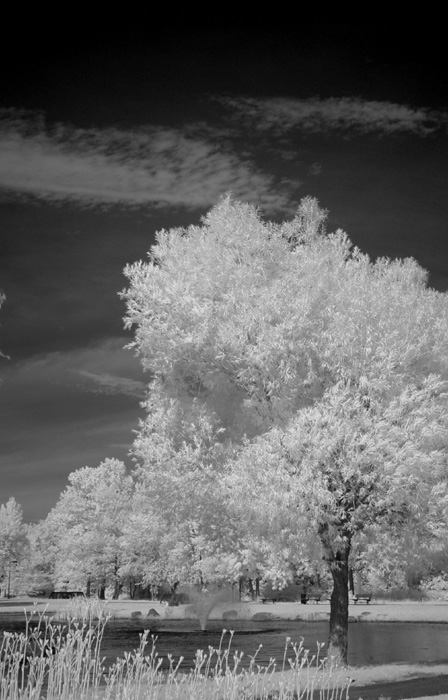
[
  {"x": 63, "y": 662},
  {"x": 86, "y": 609},
  {"x": 52, "y": 661}
]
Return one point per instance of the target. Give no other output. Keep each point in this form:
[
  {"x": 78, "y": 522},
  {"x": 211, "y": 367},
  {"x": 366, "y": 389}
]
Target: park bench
[
  {"x": 314, "y": 597},
  {"x": 268, "y": 600},
  {"x": 66, "y": 594},
  {"x": 359, "y": 597}
]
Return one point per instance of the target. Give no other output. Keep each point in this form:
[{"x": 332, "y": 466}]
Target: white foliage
[{"x": 325, "y": 369}]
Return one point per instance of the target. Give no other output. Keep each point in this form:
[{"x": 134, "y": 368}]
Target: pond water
[{"x": 370, "y": 643}]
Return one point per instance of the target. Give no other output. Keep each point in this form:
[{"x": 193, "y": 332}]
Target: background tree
[
  {"x": 39, "y": 559},
  {"x": 325, "y": 370},
  {"x": 183, "y": 505},
  {"x": 88, "y": 523},
  {"x": 13, "y": 542},
  {"x": 2, "y": 301}
]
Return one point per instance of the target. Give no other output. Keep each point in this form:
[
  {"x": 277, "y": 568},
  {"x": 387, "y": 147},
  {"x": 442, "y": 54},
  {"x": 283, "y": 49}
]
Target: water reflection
[
  {"x": 370, "y": 643},
  {"x": 397, "y": 642}
]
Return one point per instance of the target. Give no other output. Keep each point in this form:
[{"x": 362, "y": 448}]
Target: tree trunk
[
  {"x": 117, "y": 584},
  {"x": 358, "y": 587},
  {"x": 132, "y": 588},
  {"x": 337, "y": 561},
  {"x": 102, "y": 590},
  {"x": 351, "y": 581},
  {"x": 338, "y": 636}
]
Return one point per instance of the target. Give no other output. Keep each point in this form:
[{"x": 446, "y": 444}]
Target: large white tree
[{"x": 326, "y": 370}]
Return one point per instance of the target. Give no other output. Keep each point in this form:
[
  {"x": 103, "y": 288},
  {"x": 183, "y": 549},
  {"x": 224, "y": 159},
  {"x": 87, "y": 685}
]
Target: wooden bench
[
  {"x": 358, "y": 598},
  {"x": 314, "y": 598},
  {"x": 268, "y": 600},
  {"x": 311, "y": 598}
]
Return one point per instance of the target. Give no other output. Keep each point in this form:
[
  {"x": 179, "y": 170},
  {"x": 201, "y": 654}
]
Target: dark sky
[{"x": 112, "y": 130}]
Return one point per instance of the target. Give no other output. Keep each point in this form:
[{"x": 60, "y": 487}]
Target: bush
[{"x": 436, "y": 587}]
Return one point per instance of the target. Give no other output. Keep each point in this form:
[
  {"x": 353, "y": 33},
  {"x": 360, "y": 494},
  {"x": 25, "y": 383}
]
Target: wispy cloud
[
  {"x": 64, "y": 410},
  {"x": 191, "y": 167},
  {"x": 105, "y": 383},
  {"x": 106, "y": 368},
  {"x": 315, "y": 169},
  {"x": 148, "y": 166},
  {"x": 346, "y": 114},
  {"x": 37, "y": 462}
]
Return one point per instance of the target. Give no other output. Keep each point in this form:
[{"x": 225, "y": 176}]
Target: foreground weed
[
  {"x": 54, "y": 661},
  {"x": 87, "y": 610}
]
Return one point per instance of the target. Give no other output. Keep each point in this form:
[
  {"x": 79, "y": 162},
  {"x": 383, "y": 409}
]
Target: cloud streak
[
  {"x": 64, "y": 410},
  {"x": 111, "y": 384},
  {"x": 149, "y": 166},
  {"x": 347, "y": 114},
  {"x": 192, "y": 167},
  {"x": 106, "y": 368}
]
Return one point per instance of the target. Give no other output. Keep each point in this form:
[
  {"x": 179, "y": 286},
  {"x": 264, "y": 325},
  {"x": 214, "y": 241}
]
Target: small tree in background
[
  {"x": 38, "y": 571},
  {"x": 88, "y": 524},
  {"x": 13, "y": 542},
  {"x": 326, "y": 372},
  {"x": 182, "y": 501}
]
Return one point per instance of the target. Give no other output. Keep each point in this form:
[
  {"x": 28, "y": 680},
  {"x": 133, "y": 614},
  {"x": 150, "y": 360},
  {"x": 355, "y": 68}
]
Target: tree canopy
[
  {"x": 323, "y": 371},
  {"x": 88, "y": 524},
  {"x": 13, "y": 539}
]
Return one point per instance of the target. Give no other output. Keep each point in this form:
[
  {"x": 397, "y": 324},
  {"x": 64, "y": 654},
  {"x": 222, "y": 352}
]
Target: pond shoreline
[
  {"x": 430, "y": 611},
  {"x": 392, "y": 680}
]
